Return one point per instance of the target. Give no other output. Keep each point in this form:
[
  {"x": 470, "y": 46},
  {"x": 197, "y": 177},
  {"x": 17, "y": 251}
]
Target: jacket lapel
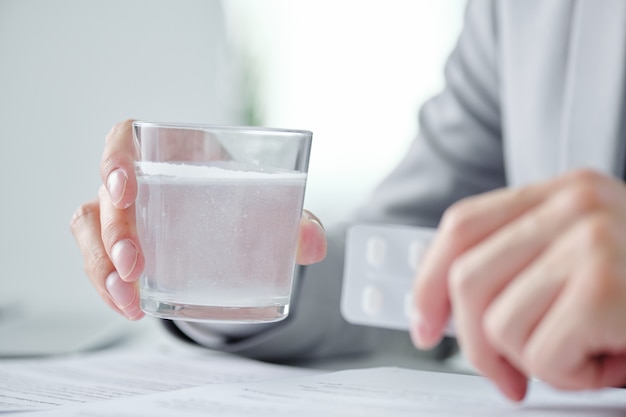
[{"x": 593, "y": 133}]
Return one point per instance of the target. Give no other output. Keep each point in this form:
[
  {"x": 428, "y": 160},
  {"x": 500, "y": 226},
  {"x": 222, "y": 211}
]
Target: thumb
[{"x": 311, "y": 240}]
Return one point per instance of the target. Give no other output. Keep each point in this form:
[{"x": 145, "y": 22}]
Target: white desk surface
[{"x": 60, "y": 359}]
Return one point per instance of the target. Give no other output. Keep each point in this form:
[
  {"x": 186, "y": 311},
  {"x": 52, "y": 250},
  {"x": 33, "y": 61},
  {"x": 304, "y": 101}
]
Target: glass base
[{"x": 221, "y": 314}]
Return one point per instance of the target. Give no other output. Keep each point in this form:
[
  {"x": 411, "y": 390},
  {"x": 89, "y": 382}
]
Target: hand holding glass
[{"x": 218, "y": 212}]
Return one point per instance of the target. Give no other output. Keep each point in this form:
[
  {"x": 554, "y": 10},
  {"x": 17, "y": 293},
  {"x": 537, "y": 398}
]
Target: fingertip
[
  {"x": 431, "y": 306},
  {"x": 124, "y": 295},
  {"x": 430, "y": 315},
  {"x": 312, "y": 244},
  {"x": 509, "y": 380},
  {"x": 424, "y": 334},
  {"x": 514, "y": 389}
]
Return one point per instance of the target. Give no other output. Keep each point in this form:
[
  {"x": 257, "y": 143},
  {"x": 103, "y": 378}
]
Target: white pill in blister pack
[{"x": 380, "y": 265}]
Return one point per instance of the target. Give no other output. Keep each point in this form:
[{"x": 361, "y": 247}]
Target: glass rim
[{"x": 219, "y": 127}]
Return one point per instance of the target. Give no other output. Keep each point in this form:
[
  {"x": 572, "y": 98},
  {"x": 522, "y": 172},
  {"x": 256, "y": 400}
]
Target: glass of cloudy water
[{"x": 218, "y": 212}]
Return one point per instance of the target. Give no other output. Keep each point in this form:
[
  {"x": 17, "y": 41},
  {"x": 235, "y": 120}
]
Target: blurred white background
[{"x": 354, "y": 72}]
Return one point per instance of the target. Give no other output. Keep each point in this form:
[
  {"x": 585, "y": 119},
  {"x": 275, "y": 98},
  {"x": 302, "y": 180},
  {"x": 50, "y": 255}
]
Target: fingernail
[
  {"x": 123, "y": 295},
  {"x": 116, "y": 185},
  {"x": 124, "y": 257},
  {"x": 313, "y": 219}
]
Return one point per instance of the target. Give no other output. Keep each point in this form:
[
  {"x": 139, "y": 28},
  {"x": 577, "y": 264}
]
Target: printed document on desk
[
  {"x": 388, "y": 392},
  {"x": 46, "y": 383}
]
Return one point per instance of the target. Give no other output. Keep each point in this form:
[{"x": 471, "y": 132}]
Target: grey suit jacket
[{"x": 533, "y": 88}]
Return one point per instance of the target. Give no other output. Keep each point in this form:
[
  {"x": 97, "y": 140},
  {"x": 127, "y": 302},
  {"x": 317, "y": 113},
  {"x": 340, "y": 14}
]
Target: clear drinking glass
[{"x": 218, "y": 212}]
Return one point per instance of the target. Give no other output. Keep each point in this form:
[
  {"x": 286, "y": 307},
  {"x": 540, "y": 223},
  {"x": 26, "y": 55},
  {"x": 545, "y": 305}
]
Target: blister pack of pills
[{"x": 380, "y": 265}]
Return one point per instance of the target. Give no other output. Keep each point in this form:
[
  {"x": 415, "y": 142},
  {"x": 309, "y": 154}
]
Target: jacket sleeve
[{"x": 457, "y": 153}]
